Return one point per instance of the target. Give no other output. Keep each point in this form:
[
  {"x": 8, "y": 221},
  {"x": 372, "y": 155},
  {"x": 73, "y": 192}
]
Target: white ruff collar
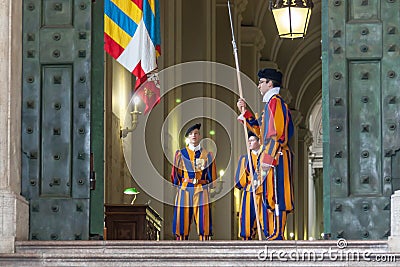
[
  {"x": 270, "y": 93},
  {"x": 194, "y": 148}
]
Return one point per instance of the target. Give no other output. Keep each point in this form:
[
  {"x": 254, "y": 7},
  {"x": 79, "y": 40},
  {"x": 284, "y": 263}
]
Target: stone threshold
[{"x": 200, "y": 253}]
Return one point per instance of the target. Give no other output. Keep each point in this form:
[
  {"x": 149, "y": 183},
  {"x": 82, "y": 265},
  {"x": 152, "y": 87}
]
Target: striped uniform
[
  {"x": 275, "y": 128},
  {"x": 192, "y": 199},
  {"x": 247, "y": 215}
]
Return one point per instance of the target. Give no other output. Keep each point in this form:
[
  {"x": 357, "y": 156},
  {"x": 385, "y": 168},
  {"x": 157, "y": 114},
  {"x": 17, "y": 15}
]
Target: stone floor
[{"x": 197, "y": 253}]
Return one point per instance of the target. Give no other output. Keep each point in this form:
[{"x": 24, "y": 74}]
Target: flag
[
  {"x": 132, "y": 35},
  {"x": 149, "y": 92}
]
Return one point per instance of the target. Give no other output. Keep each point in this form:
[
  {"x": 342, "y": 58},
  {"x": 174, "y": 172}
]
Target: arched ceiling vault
[
  {"x": 261, "y": 10},
  {"x": 317, "y": 102},
  {"x": 310, "y": 91}
]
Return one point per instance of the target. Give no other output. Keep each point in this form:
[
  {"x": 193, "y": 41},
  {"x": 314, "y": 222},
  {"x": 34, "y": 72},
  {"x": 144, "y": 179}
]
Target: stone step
[{"x": 197, "y": 253}]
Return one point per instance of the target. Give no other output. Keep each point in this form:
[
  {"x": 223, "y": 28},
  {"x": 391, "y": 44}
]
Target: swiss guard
[
  {"x": 275, "y": 129},
  {"x": 193, "y": 173},
  {"x": 247, "y": 213}
]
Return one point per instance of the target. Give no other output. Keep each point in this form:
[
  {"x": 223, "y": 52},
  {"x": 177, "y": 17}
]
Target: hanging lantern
[{"x": 291, "y": 17}]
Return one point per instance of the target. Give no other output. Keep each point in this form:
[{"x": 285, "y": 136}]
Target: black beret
[
  {"x": 270, "y": 74},
  {"x": 250, "y": 134},
  {"x": 191, "y": 128}
]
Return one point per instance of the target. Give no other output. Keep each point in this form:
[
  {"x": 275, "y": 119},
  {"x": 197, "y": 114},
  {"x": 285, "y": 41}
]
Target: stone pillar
[
  {"x": 224, "y": 219},
  {"x": 14, "y": 209},
  {"x": 394, "y": 238},
  {"x": 171, "y": 30},
  {"x": 293, "y": 221},
  {"x": 312, "y": 199},
  {"x": 252, "y": 41},
  {"x": 304, "y": 142}
]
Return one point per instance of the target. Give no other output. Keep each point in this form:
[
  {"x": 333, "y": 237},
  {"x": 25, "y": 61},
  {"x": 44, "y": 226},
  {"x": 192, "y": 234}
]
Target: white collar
[
  {"x": 268, "y": 95},
  {"x": 255, "y": 152},
  {"x": 194, "y": 148}
]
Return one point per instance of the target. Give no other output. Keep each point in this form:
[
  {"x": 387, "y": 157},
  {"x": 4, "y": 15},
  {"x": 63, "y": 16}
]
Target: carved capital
[
  {"x": 240, "y": 6},
  {"x": 285, "y": 93},
  {"x": 297, "y": 117},
  {"x": 237, "y": 6},
  {"x": 252, "y": 36},
  {"x": 305, "y": 136}
]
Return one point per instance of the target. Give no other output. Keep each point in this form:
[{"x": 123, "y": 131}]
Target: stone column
[
  {"x": 252, "y": 41},
  {"x": 14, "y": 209},
  {"x": 224, "y": 54},
  {"x": 171, "y": 30},
  {"x": 394, "y": 238},
  {"x": 293, "y": 221},
  {"x": 312, "y": 207},
  {"x": 301, "y": 156}
]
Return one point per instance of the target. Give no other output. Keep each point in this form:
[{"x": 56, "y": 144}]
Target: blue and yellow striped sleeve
[{"x": 241, "y": 176}]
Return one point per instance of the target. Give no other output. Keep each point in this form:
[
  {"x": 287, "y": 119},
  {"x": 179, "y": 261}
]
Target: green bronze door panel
[
  {"x": 56, "y": 131},
  {"x": 363, "y": 40},
  {"x": 57, "y": 13},
  {"x": 55, "y": 46},
  {"x": 364, "y": 10},
  {"x": 360, "y": 217},
  {"x": 365, "y": 131},
  {"x": 364, "y": 142},
  {"x": 56, "y": 117}
]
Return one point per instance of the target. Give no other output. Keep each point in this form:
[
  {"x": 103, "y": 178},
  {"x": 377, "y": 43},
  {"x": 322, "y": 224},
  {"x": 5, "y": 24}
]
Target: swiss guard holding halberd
[
  {"x": 275, "y": 129},
  {"x": 193, "y": 172}
]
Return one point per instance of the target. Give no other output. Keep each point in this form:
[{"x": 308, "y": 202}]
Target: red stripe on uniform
[
  {"x": 111, "y": 47},
  {"x": 271, "y": 124}
]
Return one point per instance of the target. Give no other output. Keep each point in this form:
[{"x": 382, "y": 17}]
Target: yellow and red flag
[{"x": 132, "y": 35}]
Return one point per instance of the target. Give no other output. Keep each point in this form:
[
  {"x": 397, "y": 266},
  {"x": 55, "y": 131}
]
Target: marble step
[{"x": 196, "y": 253}]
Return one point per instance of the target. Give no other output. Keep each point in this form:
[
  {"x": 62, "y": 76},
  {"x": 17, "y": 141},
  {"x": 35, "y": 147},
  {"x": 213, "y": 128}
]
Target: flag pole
[{"x": 235, "y": 52}]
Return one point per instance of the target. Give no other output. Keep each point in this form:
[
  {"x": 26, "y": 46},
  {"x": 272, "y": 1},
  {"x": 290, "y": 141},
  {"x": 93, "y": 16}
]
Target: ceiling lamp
[{"x": 291, "y": 17}]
